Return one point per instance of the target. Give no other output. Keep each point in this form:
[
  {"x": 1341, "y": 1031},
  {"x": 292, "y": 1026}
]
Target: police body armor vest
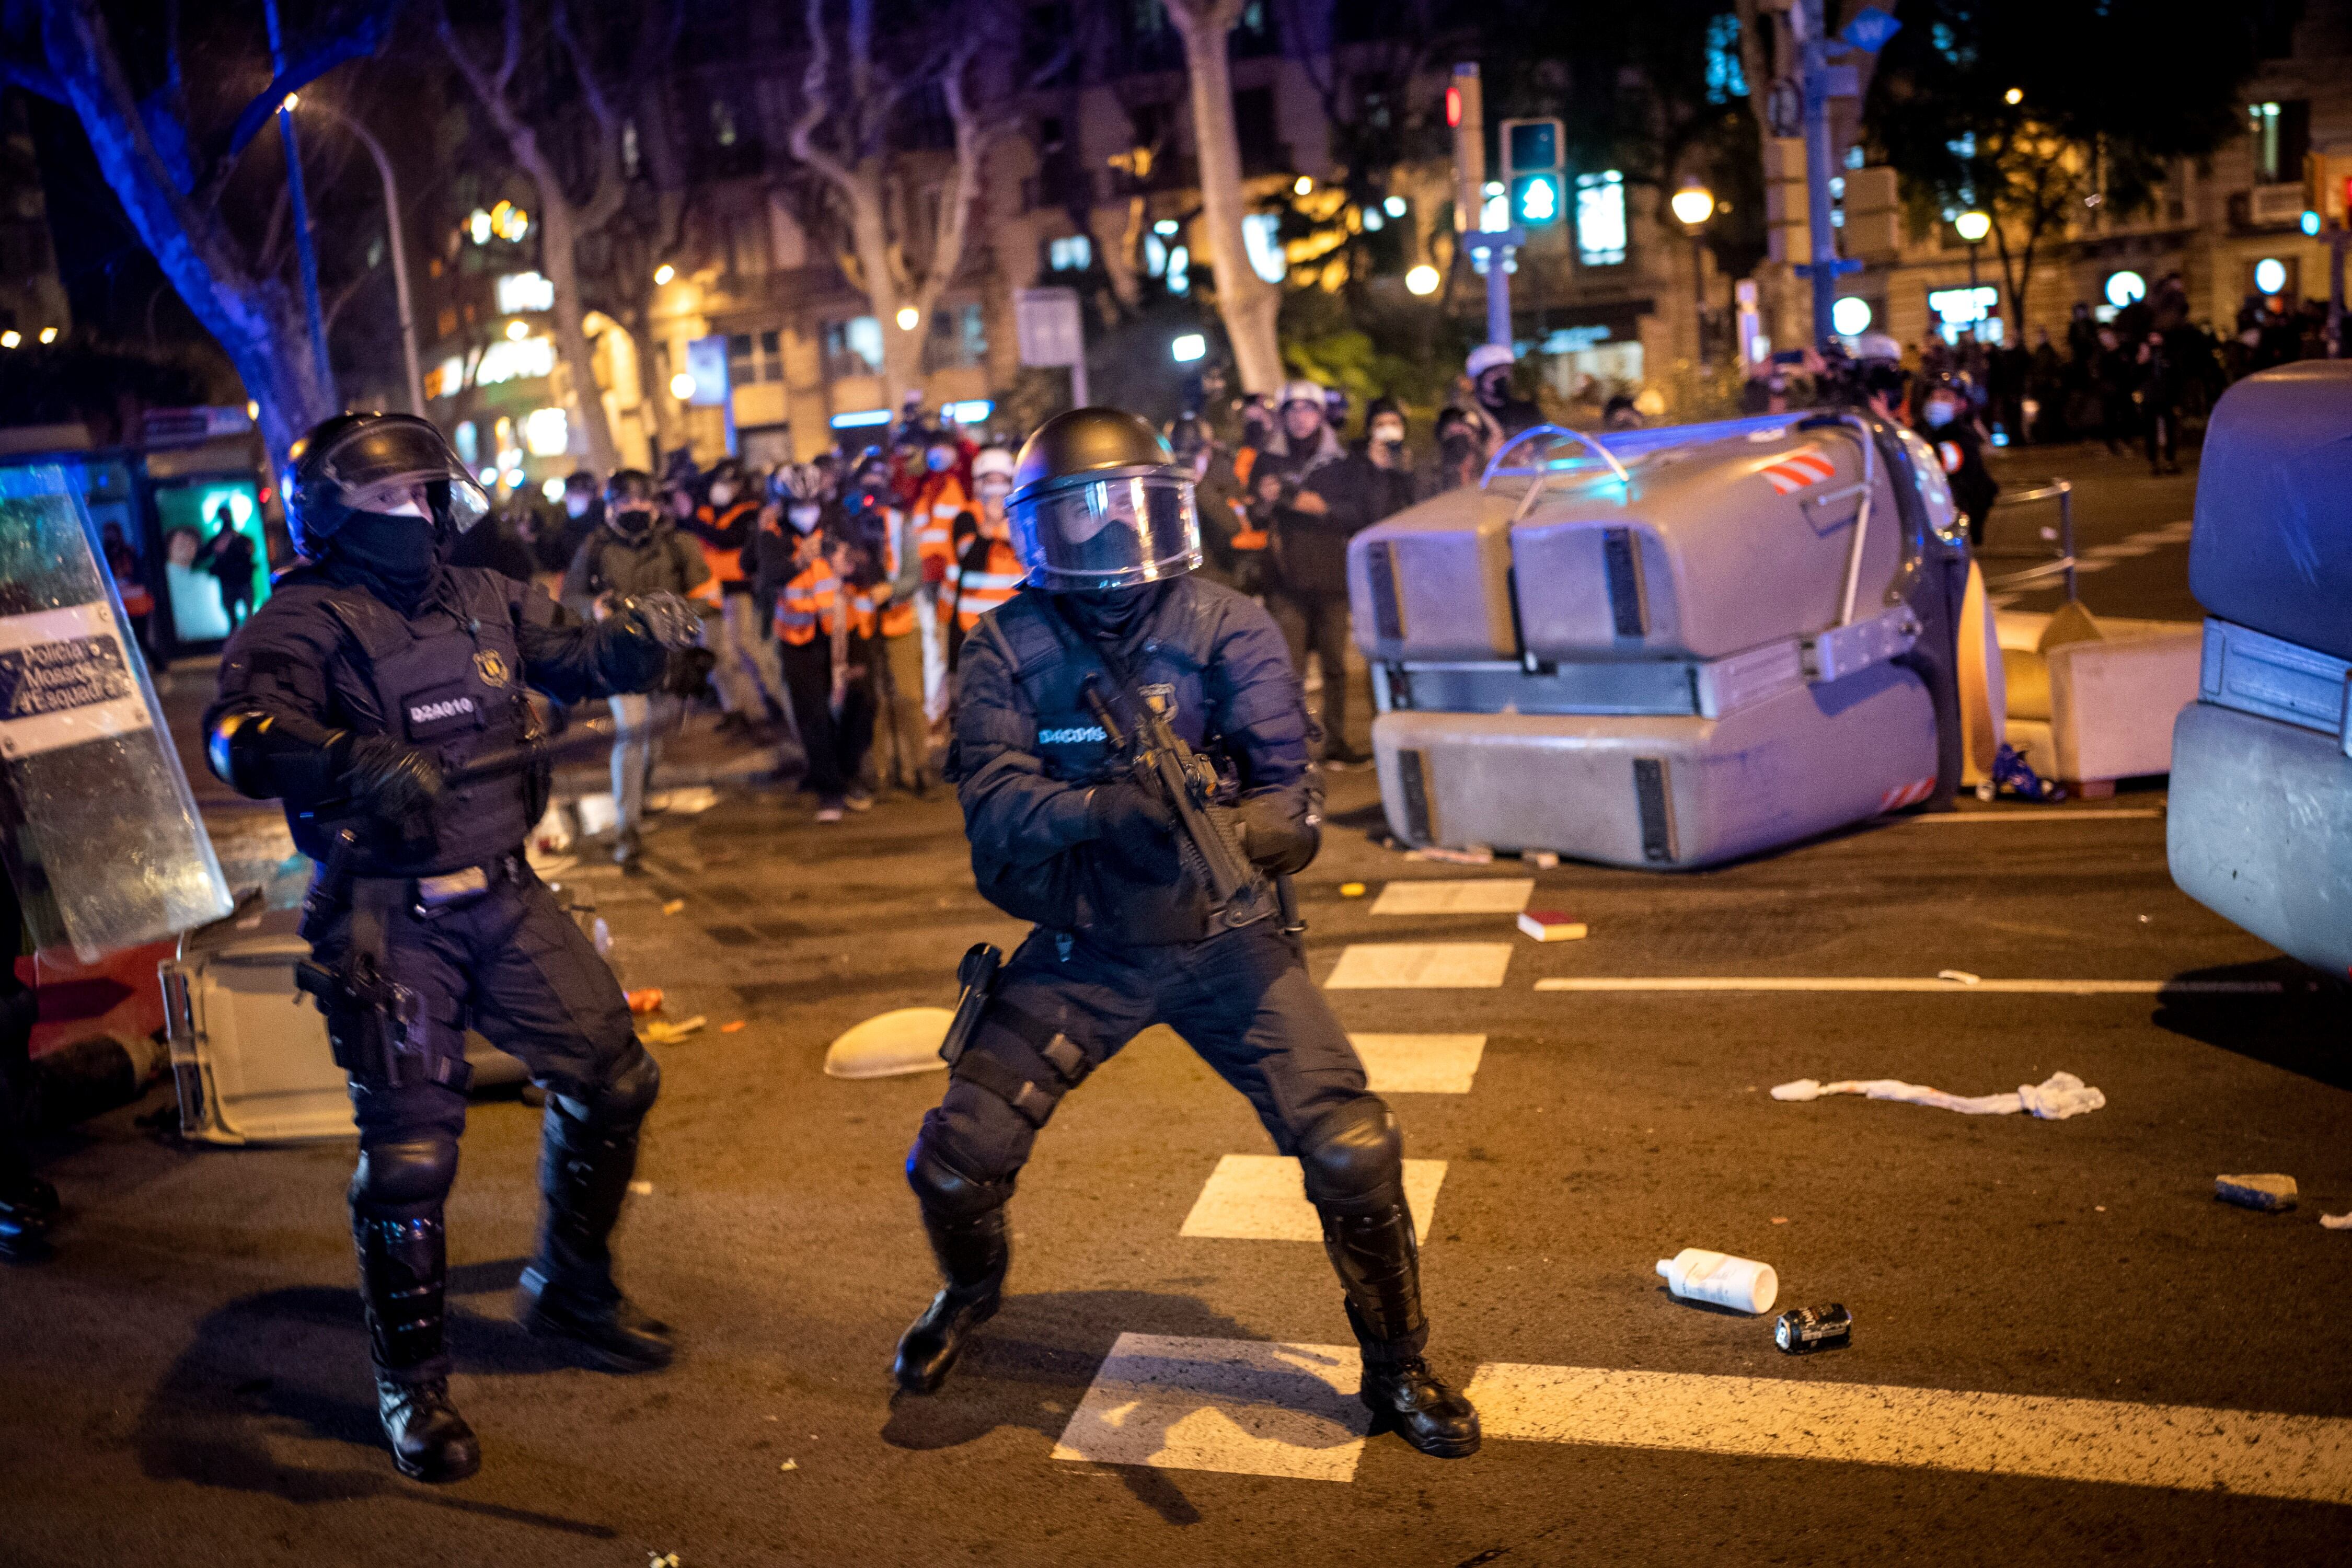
[{"x": 448, "y": 682}]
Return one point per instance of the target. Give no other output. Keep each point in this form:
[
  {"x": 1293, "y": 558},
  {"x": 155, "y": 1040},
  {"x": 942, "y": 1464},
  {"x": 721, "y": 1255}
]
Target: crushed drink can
[{"x": 1803, "y": 1329}]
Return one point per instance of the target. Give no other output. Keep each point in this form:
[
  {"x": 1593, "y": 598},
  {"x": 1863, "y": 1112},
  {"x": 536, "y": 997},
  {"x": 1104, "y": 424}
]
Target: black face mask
[
  {"x": 396, "y": 556},
  {"x": 633, "y": 524}
]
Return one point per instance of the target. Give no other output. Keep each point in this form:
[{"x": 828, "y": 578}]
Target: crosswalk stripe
[
  {"x": 1913, "y": 982},
  {"x": 1421, "y": 965},
  {"x": 1260, "y": 1197},
  {"x": 1493, "y": 896},
  {"x": 1240, "y": 1406},
  {"x": 1419, "y": 1063},
  {"x": 2187, "y": 1447}
]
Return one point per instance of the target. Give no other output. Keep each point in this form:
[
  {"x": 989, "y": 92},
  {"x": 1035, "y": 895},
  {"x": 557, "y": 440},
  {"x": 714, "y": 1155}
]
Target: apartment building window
[
  {"x": 959, "y": 337},
  {"x": 1070, "y": 253},
  {"x": 852, "y": 347},
  {"x": 754, "y": 356},
  {"x": 2281, "y": 134},
  {"x": 1600, "y": 218}
]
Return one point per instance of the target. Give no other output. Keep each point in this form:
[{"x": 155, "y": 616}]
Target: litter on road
[
  {"x": 674, "y": 905},
  {"x": 731, "y": 1026},
  {"x": 2054, "y": 1098},
  {"x": 690, "y": 801},
  {"x": 1476, "y": 854},
  {"x": 2271, "y": 1192},
  {"x": 1802, "y": 1329},
  {"x": 646, "y": 999},
  {"x": 903, "y": 1040},
  {"x": 2337, "y": 1221},
  {"x": 1695, "y": 1273},
  {"x": 655, "y": 1032},
  {"x": 1551, "y": 925}
]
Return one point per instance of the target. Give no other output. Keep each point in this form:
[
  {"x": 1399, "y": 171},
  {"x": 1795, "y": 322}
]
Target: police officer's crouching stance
[
  {"x": 372, "y": 672},
  {"x": 1064, "y": 834}
]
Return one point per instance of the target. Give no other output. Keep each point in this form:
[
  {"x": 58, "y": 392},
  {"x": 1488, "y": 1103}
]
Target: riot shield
[{"x": 98, "y": 828}]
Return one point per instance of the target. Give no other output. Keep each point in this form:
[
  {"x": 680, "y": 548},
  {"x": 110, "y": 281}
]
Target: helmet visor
[
  {"x": 1109, "y": 533},
  {"x": 397, "y": 464}
]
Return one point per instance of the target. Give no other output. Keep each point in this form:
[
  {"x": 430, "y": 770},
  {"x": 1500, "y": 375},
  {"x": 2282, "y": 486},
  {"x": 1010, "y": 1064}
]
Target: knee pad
[
  {"x": 402, "y": 1179},
  {"x": 1352, "y": 1157},
  {"x": 940, "y": 1180},
  {"x": 619, "y": 1104}
]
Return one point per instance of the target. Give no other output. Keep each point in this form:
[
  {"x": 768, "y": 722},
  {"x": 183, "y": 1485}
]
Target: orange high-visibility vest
[
  {"x": 937, "y": 505},
  {"x": 994, "y": 583},
  {"x": 805, "y": 609},
  {"x": 726, "y": 565}
]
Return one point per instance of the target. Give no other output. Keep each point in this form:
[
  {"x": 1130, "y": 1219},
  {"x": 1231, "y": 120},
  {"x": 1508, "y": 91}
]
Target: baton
[{"x": 586, "y": 735}]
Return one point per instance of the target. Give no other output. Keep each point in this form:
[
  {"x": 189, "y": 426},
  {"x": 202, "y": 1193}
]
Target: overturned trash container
[
  {"x": 2259, "y": 826},
  {"x": 1668, "y": 648}
]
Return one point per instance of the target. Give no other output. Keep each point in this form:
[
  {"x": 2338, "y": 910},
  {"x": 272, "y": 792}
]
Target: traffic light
[
  {"x": 1466, "y": 115},
  {"x": 1531, "y": 165}
]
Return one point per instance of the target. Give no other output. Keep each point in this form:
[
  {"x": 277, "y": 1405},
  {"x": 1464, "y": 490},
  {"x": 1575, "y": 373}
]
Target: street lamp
[
  {"x": 1421, "y": 281},
  {"x": 1972, "y": 227},
  {"x": 1692, "y": 206},
  {"x": 909, "y": 318},
  {"x": 663, "y": 274},
  {"x": 391, "y": 233}
]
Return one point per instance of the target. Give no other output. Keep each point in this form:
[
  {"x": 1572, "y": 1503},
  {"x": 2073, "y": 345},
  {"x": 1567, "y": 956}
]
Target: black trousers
[
  {"x": 1318, "y": 622},
  {"x": 836, "y": 748},
  {"x": 1242, "y": 999}
]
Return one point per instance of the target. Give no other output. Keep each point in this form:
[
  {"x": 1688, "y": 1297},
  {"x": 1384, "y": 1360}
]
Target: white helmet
[
  {"x": 992, "y": 460},
  {"x": 1487, "y": 356},
  {"x": 1302, "y": 392}
]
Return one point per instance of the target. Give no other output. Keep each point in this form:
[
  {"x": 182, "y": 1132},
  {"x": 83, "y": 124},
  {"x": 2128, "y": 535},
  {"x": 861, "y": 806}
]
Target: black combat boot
[
  {"x": 972, "y": 1255},
  {"x": 1379, "y": 1268},
  {"x": 584, "y": 1175},
  {"x": 403, "y": 1276}
]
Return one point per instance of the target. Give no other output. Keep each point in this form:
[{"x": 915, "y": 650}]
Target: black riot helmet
[
  {"x": 1187, "y": 435},
  {"x": 1099, "y": 502},
  {"x": 386, "y": 464}
]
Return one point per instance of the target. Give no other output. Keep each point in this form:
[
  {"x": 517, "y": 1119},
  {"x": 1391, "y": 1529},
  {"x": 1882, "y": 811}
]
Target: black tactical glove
[
  {"x": 391, "y": 780},
  {"x": 666, "y": 618},
  {"x": 688, "y": 671},
  {"x": 1135, "y": 825},
  {"x": 1274, "y": 838}
]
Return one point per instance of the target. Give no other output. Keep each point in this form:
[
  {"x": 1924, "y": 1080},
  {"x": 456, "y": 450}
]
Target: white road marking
[
  {"x": 1260, "y": 1197},
  {"x": 2025, "y": 815},
  {"x": 1419, "y": 1063},
  {"x": 2126, "y": 549},
  {"x": 2187, "y": 1448},
  {"x": 1421, "y": 965},
  {"x": 1920, "y": 983},
  {"x": 1241, "y": 1406},
  {"x": 1494, "y": 896}
]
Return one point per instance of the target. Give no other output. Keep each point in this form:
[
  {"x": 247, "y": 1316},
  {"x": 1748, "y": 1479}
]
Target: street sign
[{"x": 1870, "y": 29}]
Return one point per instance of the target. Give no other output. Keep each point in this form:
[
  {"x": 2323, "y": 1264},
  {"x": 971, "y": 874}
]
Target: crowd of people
[{"x": 836, "y": 594}]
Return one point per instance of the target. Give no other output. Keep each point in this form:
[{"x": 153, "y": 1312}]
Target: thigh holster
[{"x": 1024, "y": 1061}]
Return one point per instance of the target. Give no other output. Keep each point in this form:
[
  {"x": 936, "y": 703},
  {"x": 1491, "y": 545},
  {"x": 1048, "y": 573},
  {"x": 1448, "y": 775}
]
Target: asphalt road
[{"x": 184, "y": 1383}]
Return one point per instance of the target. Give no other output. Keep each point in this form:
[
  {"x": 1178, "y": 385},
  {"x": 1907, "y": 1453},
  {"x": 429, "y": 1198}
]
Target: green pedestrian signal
[{"x": 1535, "y": 200}]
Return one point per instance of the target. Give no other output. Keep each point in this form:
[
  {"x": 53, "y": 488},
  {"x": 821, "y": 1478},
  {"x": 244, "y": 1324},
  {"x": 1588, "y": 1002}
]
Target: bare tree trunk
[
  {"x": 561, "y": 221},
  {"x": 1248, "y": 303},
  {"x": 257, "y": 320}
]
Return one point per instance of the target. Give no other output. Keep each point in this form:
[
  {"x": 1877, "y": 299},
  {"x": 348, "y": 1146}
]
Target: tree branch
[
  {"x": 360, "y": 37},
  {"x": 816, "y": 103}
]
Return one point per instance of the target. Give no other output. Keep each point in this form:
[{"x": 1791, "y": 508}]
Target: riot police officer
[
  {"x": 372, "y": 674},
  {"x": 1065, "y": 833}
]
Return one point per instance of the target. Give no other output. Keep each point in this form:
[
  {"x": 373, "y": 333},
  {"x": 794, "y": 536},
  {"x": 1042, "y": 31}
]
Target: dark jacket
[
  {"x": 609, "y": 562},
  {"x": 449, "y": 679},
  {"x": 1027, "y": 751},
  {"x": 1310, "y": 548}
]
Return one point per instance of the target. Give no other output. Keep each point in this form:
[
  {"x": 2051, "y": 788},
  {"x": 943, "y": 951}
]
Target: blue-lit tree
[{"x": 170, "y": 164}]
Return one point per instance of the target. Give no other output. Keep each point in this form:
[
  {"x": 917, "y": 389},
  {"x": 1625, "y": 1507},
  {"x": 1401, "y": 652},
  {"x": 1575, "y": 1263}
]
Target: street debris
[
  {"x": 731, "y": 1026},
  {"x": 904, "y": 1040},
  {"x": 790, "y": 1465},
  {"x": 2271, "y": 1192},
  {"x": 553, "y": 834},
  {"x": 2054, "y": 1098},
  {"x": 2337, "y": 1221},
  {"x": 596, "y": 815},
  {"x": 1541, "y": 859},
  {"x": 1476, "y": 855},
  {"x": 661, "y": 1560},
  {"x": 646, "y": 999},
  {"x": 1695, "y": 1274},
  {"x": 1351, "y": 890},
  {"x": 642, "y": 1189},
  {"x": 1802, "y": 1329},
  {"x": 672, "y": 906},
  {"x": 655, "y": 1032},
  {"x": 690, "y": 801},
  {"x": 1551, "y": 925},
  {"x": 1959, "y": 976}
]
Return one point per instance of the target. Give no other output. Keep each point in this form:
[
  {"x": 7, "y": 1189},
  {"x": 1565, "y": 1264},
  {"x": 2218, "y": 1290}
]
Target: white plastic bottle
[{"x": 1696, "y": 1274}]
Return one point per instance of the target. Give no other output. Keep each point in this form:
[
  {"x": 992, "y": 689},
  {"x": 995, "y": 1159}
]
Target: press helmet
[
  {"x": 1099, "y": 502},
  {"x": 373, "y": 463},
  {"x": 796, "y": 481}
]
